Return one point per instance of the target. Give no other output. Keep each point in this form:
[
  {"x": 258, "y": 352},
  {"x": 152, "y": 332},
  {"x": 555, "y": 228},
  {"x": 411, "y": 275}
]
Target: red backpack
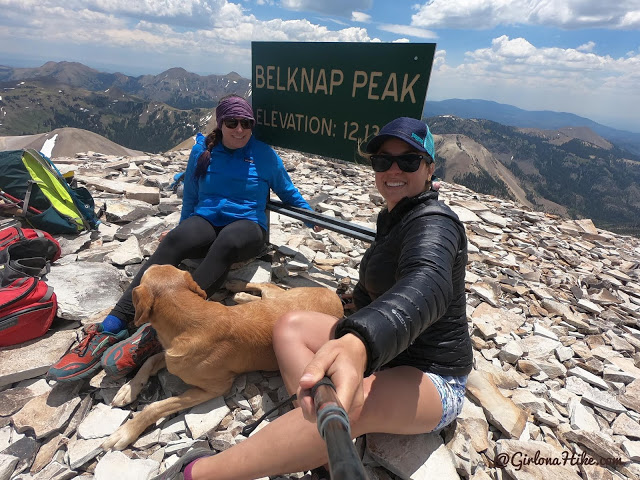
[
  {"x": 45, "y": 244},
  {"x": 27, "y": 308},
  {"x": 27, "y": 304}
]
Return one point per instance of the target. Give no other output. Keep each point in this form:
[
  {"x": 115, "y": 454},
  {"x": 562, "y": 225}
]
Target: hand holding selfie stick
[{"x": 333, "y": 425}]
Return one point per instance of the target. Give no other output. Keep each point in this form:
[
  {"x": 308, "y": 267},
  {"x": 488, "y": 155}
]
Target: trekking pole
[
  {"x": 16, "y": 201},
  {"x": 334, "y": 427}
]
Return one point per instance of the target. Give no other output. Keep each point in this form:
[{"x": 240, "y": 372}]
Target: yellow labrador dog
[{"x": 206, "y": 344}]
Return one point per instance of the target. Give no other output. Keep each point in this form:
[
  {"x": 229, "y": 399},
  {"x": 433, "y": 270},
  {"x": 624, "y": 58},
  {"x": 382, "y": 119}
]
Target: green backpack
[{"x": 30, "y": 180}]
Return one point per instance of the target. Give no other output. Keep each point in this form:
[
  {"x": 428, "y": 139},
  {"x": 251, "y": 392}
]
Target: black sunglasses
[
  {"x": 245, "y": 123},
  {"x": 408, "y": 162}
]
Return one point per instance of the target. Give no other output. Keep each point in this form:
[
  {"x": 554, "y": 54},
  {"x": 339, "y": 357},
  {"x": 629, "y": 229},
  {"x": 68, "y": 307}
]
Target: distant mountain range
[
  {"x": 556, "y": 162},
  {"x": 543, "y": 119},
  {"x": 176, "y": 87},
  {"x": 570, "y": 171}
]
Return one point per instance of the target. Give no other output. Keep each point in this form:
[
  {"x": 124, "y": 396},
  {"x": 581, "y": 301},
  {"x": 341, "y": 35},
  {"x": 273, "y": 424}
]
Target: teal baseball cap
[{"x": 410, "y": 130}]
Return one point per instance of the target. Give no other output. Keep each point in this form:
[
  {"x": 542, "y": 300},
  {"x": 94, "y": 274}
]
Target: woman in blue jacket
[
  {"x": 400, "y": 362},
  {"x": 226, "y": 187}
]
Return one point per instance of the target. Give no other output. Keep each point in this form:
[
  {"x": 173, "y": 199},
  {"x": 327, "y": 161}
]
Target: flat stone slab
[
  {"x": 535, "y": 346},
  {"x": 581, "y": 418},
  {"x": 464, "y": 214},
  {"x": 494, "y": 219},
  {"x": 117, "y": 465},
  {"x": 588, "y": 377},
  {"x": 127, "y": 253},
  {"x": 81, "y": 451},
  {"x": 14, "y": 399},
  {"x": 32, "y": 359},
  {"x": 102, "y": 421},
  {"x": 131, "y": 190},
  {"x": 631, "y": 396},
  {"x": 257, "y": 271},
  {"x": 25, "y": 451},
  {"x": 86, "y": 289},
  {"x": 7, "y": 465},
  {"x": 599, "y": 443},
  {"x": 49, "y": 412},
  {"x": 499, "y": 410},
  {"x": 55, "y": 471},
  {"x": 205, "y": 417},
  {"x": 603, "y": 400},
  {"x": 415, "y": 457},
  {"x": 473, "y": 422},
  {"x": 625, "y": 425}
]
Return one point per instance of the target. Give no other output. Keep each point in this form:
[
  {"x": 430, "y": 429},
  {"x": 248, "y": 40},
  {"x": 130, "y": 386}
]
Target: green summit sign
[{"x": 325, "y": 98}]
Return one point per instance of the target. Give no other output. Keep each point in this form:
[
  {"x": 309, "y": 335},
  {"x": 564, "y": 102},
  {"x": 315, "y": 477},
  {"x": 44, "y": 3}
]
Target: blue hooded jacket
[{"x": 237, "y": 183}]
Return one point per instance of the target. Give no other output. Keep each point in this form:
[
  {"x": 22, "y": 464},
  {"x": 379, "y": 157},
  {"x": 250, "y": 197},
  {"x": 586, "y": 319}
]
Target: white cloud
[
  {"x": 408, "y": 30},
  {"x": 517, "y": 72},
  {"x": 402, "y": 40},
  {"x": 587, "y": 47},
  {"x": 331, "y": 7},
  {"x": 567, "y": 14},
  {"x": 440, "y": 58},
  {"x": 224, "y": 32},
  {"x": 360, "y": 17}
]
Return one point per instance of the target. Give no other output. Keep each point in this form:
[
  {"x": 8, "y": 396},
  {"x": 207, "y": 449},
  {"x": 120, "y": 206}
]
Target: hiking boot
[
  {"x": 83, "y": 360},
  {"x": 126, "y": 356}
]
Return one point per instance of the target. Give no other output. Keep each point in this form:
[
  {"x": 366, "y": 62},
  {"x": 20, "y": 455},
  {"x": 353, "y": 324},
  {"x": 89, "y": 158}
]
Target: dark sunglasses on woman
[
  {"x": 245, "y": 123},
  {"x": 408, "y": 162}
]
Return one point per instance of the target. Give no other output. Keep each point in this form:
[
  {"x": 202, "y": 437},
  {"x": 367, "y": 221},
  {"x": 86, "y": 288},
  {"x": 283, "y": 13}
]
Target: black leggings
[{"x": 195, "y": 237}]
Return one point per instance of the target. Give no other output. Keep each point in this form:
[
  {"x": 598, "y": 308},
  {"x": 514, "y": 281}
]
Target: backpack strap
[
  {"x": 24, "y": 267},
  {"x": 27, "y": 196}
]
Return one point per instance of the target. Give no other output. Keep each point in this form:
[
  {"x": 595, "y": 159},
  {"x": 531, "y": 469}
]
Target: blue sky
[{"x": 577, "y": 56}]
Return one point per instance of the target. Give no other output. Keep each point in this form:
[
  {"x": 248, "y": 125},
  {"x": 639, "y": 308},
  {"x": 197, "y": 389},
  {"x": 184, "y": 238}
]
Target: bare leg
[
  {"x": 400, "y": 400},
  {"x": 297, "y": 336}
]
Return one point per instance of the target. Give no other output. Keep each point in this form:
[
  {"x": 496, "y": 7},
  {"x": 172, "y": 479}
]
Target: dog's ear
[
  {"x": 193, "y": 286},
  {"x": 143, "y": 304}
]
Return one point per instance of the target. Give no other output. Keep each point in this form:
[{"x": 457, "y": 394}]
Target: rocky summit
[{"x": 553, "y": 307}]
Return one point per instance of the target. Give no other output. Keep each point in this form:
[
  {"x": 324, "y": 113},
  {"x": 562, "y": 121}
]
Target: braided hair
[{"x": 211, "y": 140}]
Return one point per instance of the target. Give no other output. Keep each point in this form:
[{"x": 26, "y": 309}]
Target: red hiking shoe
[
  {"x": 83, "y": 360},
  {"x": 128, "y": 355}
]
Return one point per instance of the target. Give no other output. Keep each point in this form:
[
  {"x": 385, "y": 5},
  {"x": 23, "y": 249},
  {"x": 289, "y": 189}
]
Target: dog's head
[{"x": 159, "y": 281}]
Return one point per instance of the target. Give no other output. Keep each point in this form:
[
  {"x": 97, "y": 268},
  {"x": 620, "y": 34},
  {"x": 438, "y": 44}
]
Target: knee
[
  {"x": 289, "y": 328},
  {"x": 171, "y": 240}
]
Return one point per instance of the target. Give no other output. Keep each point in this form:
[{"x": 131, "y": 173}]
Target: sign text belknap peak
[
  {"x": 325, "y": 98},
  {"x": 319, "y": 82}
]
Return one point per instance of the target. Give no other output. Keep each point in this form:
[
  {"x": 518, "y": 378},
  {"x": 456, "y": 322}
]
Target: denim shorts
[{"x": 452, "y": 391}]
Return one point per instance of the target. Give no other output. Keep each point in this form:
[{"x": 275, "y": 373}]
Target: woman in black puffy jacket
[{"x": 401, "y": 361}]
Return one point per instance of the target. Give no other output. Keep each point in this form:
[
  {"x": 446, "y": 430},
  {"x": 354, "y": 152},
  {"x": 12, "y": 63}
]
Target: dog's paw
[
  {"x": 235, "y": 285},
  {"x": 125, "y": 395},
  {"x": 120, "y": 439},
  {"x": 244, "y": 297}
]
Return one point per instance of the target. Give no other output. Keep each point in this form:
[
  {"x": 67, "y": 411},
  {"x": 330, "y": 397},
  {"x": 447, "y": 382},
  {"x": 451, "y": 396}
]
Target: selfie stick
[{"x": 333, "y": 425}]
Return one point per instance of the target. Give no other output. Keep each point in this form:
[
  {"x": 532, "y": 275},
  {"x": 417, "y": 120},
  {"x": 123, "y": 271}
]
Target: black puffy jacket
[{"x": 410, "y": 297}]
